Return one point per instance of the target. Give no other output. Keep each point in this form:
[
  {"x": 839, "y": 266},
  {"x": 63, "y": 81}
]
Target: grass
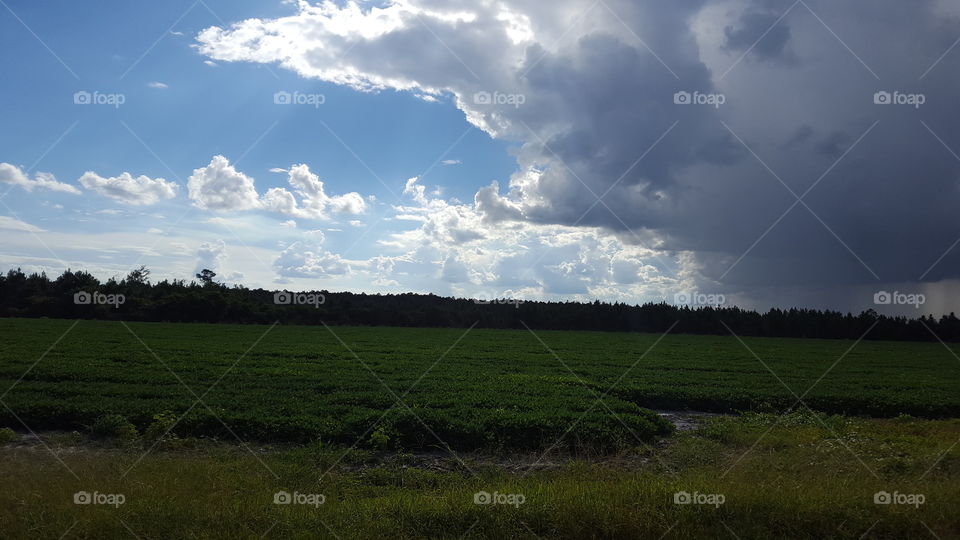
[{"x": 807, "y": 477}]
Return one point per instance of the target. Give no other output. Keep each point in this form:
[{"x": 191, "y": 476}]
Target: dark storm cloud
[
  {"x": 834, "y": 144},
  {"x": 760, "y": 34},
  {"x": 800, "y": 136},
  {"x": 884, "y": 210}
]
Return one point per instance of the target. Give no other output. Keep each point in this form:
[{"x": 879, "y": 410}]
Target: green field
[
  {"x": 399, "y": 429},
  {"x": 490, "y": 389}
]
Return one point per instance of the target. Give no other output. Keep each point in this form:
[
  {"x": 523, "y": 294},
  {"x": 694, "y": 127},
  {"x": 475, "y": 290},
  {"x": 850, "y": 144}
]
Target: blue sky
[
  {"x": 205, "y": 110},
  {"x": 505, "y": 148},
  {"x": 370, "y": 143}
]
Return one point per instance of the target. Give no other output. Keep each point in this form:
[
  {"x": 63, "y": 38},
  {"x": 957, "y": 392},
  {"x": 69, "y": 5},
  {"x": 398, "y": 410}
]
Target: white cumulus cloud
[
  {"x": 11, "y": 174},
  {"x": 308, "y": 259},
  {"x": 138, "y": 191},
  {"x": 314, "y": 201},
  {"x": 219, "y": 186}
]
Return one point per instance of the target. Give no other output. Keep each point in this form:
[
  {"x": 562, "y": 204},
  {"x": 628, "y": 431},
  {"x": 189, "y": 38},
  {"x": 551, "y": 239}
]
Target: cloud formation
[
  {"x": 314, "y": 201},
  {"x": 799, "y": 181},
  {"x": 452, "y": 243},
  {"x": 307, "y": 259},
  {"x": 220, "y": 187},
  {"x": 12, "y": 224},
  {"x": 11, "y": 174},
  {"x": 139, "y": 191}
]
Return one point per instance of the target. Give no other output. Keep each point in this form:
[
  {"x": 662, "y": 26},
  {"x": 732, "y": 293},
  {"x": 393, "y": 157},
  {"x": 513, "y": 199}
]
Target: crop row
[{"x": 422, "y": 388}]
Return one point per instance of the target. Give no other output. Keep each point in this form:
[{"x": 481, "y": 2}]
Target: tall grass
[{"x": 807, "y": 477}]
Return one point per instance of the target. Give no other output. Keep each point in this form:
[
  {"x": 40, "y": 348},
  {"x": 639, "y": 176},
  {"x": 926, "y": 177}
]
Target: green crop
[{"x": 421, "y": 388}]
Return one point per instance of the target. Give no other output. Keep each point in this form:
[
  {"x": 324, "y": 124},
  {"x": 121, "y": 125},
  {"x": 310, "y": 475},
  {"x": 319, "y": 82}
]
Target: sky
[{"x": 760, "y": 153}]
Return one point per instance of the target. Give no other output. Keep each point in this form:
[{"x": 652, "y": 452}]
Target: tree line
[{"x": 80, "y": 295}]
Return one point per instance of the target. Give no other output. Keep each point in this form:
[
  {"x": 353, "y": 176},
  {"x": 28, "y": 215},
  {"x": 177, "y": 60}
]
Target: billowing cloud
[
  {"x": 495, "y": 208},
  {"x": 711, "y": 187},
  {"x": 307, "y": 258},
  {"x": 314, "y": 203},
  {"x": 219, "y": 186},
  {"x": 137, "y": 191},
  {"x": 760, "y": 34},
  {"x": 476, "y": 257},
  {"x": 11, "y": 174}
]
